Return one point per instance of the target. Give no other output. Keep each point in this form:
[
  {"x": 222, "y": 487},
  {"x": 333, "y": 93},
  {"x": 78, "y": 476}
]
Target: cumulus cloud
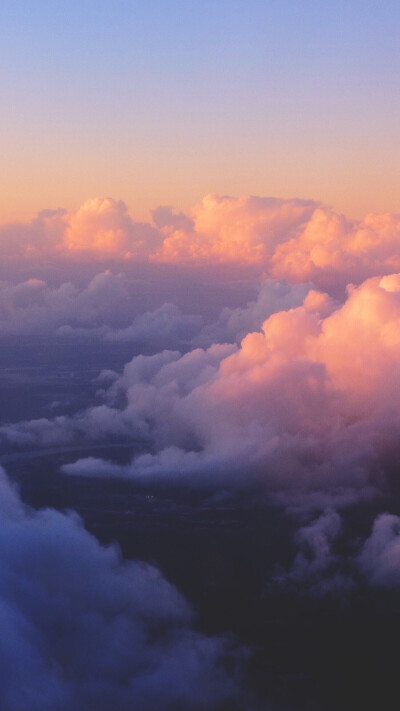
[
  {"x": 84, "y": 630},
  {"x": 380, "y": 556},
  {"x": 296, "y": 240},
  {"x": 245, "y": 229},
  {"x": 38, "y": 239},
  {"x": 101, "y": 228},
  {"x": 233, "y": 324},
  {"x": 302, "y": 397},
  {"x": 332, "y": 251},
  {"x": 110, "y": 306},
  {"x": 294, "y": 394},
  {"x": 35, "y": 307},
  {"x": 317, "y": 568},
  {"x": 315, "y": 543},
  {"x": 307, "y": 405},
  {"x": 106, "y": 308},
  {"x": 166, "y": 326}
]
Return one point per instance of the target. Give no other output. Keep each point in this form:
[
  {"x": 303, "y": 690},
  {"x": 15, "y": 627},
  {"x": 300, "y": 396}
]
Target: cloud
[
  {"x": 380, "y": 556},
  {"x": 102, "y": 226},
  {"x": 35, "y": 240},
  {"x": 308, "y": 406},
  {"x": 166, "y": 326},
  {"x": 332, "y": 251},
  {"x": 317, "y": 569},
  {"x": 302, "y": 397},
  {"x": 84, "y": 630},
  {"x": 110, "y": 306},
  {"x": 164, "y": 217},
  {"x": 35, "y": 307},
  {"x": 225, "y": 229},
  {"x": 105, "y": 308},
  {"x": 295, "y": 240},
  {"x": 315, "y": 543},
  {"x": 100, "y": 229},
  {"x": 233, "y": 324},
  {"x": 330, "y": 560}
]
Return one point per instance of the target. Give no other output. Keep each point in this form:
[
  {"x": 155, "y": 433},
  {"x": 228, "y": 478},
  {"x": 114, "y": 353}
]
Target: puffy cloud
[
  {"x": 380, "y": 556},
  {"x": 296, "y": 240},
  {"x": 317, "y": 568},
  {"x": 149, "y": 379},
  {"x": 38, "y": 239},
  {"x": 84, "y": 630},
  {"x": 318, "y": 250},
  {"x": 330, "y": 560},
  {"x": 233, "y": 324},
  {"x": 105, "y": 308},
  {"x": 332, "y": 251},
  {"x": 245, "y": 229},
  {"x": 360, "y": 343},
  {"x": 35, "y": 307},
  {"x": 110, "y": 306},
  {"x": 166, "y": 326},
  {"x": 315, "y": 543},
  {"x": 101, "y": 228},
  {"x": 308, "y": 405}
]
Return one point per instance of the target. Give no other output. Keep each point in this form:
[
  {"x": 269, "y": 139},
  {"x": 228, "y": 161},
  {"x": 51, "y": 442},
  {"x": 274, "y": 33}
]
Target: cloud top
[{"x": 296, "y": 240}]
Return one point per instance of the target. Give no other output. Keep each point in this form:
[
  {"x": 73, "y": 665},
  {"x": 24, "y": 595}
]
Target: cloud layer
[
  {"x": 105, "y": 308},
  {"x": 296, "y": 240},
  {"x": 307, "y": 405}
]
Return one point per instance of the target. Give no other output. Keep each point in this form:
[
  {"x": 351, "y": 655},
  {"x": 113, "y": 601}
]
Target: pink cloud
[
  {"x": 225, "y": 229},
  {"x": 296, "y": 240},
  {"x": 308, "y": 404}
]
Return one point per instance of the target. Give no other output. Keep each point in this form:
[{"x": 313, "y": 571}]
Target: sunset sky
[
  {"x": 199, "y": 355},
  {"x": 163, "y": 102}
]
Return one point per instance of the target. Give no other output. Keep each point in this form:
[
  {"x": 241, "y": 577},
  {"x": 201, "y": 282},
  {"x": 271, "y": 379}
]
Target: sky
[
  {"x": 166, "y": 101},
  {"x": 199, "y": 354}
]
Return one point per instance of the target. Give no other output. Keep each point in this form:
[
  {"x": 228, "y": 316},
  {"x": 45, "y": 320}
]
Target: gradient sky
[{"x": 164, "y": 101}]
